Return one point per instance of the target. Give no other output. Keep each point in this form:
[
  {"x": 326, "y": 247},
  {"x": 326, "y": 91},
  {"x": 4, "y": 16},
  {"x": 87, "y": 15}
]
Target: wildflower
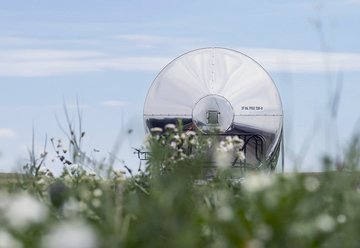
[
  {"x": 92, "y": 174},
  {"x": 222, "y": 147},
  {"x": 71, "y": 208},
  {"x": 41, "y": 181},
  {"x": 325, "y": 223},
  {"x": 119, "y": 173},
  {"x": 24, "y": 210},
  {"x": 190, "y": 133},
  {"x": 156, "y": 130},
  {"x": 8, "y": 241},
  {"x": 311, "y": 184},
  {"x": 225, "y": 213},
  {"x": 75, "y": 168},
  {"x": 96, "y": 203},
  {"x": 193, "y": 141},
  {"x": 222, "y": 158},
  {"x": 97, "y": 192},
  {"x": 257, "y": 182},
  {"x": 49, "y": 173},
  {"x": 170, "y": 127},
  {"x": 42, "y": 171},
  {"x": 173, "y": 144},
  {"x": 238, "y": 142},
  {"x": 341, "y": 219},
  {"x": 68, "y": 179},
  {"x": 230, "y": 146},
  {"x": 209, "y": 142},
  {"x": 71, "y": 234},
  {"x": 241, "y": 155}
]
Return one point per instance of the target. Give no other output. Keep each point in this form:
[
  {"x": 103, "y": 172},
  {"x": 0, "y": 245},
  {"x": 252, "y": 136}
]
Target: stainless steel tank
[{"x": 224, "y": 89}]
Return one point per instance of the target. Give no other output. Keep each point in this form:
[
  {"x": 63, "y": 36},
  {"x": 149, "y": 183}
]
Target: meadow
[{"x": 169, "y": 203}]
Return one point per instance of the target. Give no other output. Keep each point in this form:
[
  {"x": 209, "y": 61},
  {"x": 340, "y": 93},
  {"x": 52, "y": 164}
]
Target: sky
[{"x": 105, "y": 55}]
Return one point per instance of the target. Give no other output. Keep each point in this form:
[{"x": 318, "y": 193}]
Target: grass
[
  {"x": 170, "y": 204},
  {"x": 8, "y": 178}
]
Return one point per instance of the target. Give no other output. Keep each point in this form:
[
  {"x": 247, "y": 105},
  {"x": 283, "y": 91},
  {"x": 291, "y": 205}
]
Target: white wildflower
[
  {"x": 97, "y": 192},
  {"x": 241, "y": 155},
  {"x": 49, "y": 173},
  {"x": 257, "y": 182},
  {"x": 222, "y": 159},
  {"x": 8, "y": 241},
  {"x": 67, "y": 179},
  {"x": 75, "y": 167},
  {"x": 225, "y": 213},
  {"x": 209, "y": 142},
  {"x": 170, "y": 126},
  {"x": 42, "y": 171},
  {"x": 190, "y": 133},
  {"x": 325, "y": 223},
  {"x": 238, "y": 142},
  {"x": 193, "y": 141},
  {"x": 96, "y": 203},
  {"x": 24, "y": 210},
  {"x": 119, "y": 173},
  {"x": 230, "y": 147},
  {"x": 311, "y": 183},
  {"x": 82, "y": 206},
  {"x": 173, "y": 144},
  {"x": 71, "y": 208},
  {"x": 341, "y": 219},
  {"x": 41, "y": 181},
  {"x": 72, "y": 234},
  {"x": 156, "y": 130},
  {"x": 92, "y": 174}
]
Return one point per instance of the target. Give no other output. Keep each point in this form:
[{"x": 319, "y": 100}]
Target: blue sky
[{"x": 106, "y": 54}]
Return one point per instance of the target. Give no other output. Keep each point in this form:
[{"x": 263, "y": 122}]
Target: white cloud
[
  {"x": 41, "y": 62},
  {"x": 298, "y": 61},
  {"x": 142, "y": 38},
  {"x": 24, "y": 41},
  {"x": 154, "y": 39},
  {"x": 7, "y": 133},
  {"x": 114, "y": 103},
  {"x": 37, "y": 62}
]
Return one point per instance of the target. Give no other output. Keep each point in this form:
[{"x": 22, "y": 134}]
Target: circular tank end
[{"x": 213, "y": 113}]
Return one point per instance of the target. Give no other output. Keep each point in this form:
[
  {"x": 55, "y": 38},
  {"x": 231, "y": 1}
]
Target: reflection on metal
[{"x": 220, "y": 89}]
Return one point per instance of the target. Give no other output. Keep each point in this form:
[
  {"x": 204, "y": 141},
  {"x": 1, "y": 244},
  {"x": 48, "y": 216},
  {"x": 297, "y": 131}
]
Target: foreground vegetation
[{"x": 170, "y": 204}]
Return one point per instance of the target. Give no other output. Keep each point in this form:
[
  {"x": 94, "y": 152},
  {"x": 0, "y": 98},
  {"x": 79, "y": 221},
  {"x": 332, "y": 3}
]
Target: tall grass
[{"x": 172, "y": 203}]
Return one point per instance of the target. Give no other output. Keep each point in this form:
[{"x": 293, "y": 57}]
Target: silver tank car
[{"x": 222, "y": 88}]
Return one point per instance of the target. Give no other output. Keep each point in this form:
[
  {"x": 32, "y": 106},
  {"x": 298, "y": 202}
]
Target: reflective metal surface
[{"x": 218, "y": 88}]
